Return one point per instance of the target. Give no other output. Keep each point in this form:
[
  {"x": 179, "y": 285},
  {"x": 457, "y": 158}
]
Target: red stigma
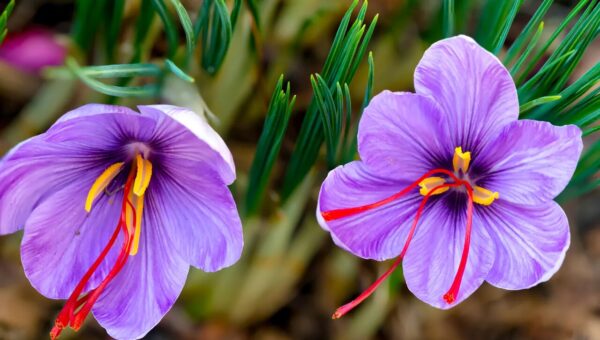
[
  {"x": 452, "y": 293},
  {"x": 79, "y": 305},
  {"x": 450, "y": 296},
  {"x": 341, "y": 213}
]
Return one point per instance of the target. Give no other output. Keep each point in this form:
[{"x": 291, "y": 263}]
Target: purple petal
[
  {"x": 87, "y": 139},
  {"x": 61, "y": 240},
  {"x": 531, "y": 161},
  {"x": 96, "y": 109},
  {"x": 377, "y": 234},
  {"x": 433, "y": 258},
  {"x": 147, "y": 287},
  {"x": 198, "y": 213},
  {"x": 531, "y": 242},
  {"x": 192, "y": 138},
  {"x": 33, "y": 171},
  {"x": 473, "y": 88},
  {"x": 403, "y": 135}
]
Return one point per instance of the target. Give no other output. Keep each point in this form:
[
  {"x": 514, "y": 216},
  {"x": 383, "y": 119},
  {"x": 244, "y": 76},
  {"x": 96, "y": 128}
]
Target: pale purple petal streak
[
  {"x": 530, "y": 242},
  {"x": 472, "y": 87},
  {"x": 531, "y": 161},
  {"x": 403, "y": 135},
  {"x": 377, "y": 234}
]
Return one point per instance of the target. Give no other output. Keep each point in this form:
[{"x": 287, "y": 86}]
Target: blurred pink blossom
[{"x": 32, "y": 49}]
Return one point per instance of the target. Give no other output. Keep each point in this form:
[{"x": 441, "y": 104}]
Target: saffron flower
[
  {"x": 451, "y": 184},
  {"x": 116, "y": 205}
]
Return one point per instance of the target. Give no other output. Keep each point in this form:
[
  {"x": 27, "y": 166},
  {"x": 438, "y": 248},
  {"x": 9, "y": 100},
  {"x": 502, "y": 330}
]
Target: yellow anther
[
  {"x": 138, "y": 203},
  {"x": 101, "y": 183},
  {"x": 484, "y": 196},
  {"x": 430, "y": 183},
  {"x": 461, "y": 160},
  {"x": 143, "y": 175}
]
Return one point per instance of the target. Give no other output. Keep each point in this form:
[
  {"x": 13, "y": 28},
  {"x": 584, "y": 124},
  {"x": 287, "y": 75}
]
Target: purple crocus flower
[
  {"x": 116, "y": 205},
  {"x": 486, "y": 182}
]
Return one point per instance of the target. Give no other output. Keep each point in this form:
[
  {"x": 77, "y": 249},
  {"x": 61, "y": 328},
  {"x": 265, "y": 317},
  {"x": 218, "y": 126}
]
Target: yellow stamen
[
  {"x": 101, "y": 183},
  {"x": 461, "y": 160},
  {"x": 142, "y": 178},
  {"x": 138, "y": 203},
  {"x": 484, "y": 196},
  {"x": 430, "y": 183},
  {"x": 129, "y": 214}
]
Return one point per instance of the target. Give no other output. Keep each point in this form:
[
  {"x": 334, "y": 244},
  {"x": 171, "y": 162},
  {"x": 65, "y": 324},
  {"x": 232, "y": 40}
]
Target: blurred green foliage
[{"x": 225, "y": 57}]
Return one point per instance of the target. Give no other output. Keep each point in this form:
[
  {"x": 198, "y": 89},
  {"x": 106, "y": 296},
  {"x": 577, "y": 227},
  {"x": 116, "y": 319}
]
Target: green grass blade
[
  {"x": 537, "y": 102},
  {"x": 214, "y": 30},
  {"x": 89, "y": 15},
  {"x": 448, "y": 21},
  {"x": 495, "y": 22},
  {"x": 114, "y": 28},
  {"x": 517, "y": 67},
  {"x": 589, "y": 131},
  {"x": 255, "y": 12},
  {"x": 186, "y": 23},
  {"x": 5, "y": 14},
  {"x": 111, "y": 90},
  {"x": 269, "y": 145},
  {"x": 535, "y": 21},
  {"x": 142, "y": 25},
  {"x": 542, "y": 51},
  {"x": 235, "y": 13},
  {"x": 177, "y": 71},
  {"x": 169, "y": 27},
  {"x": 347, "y": 50},
  {"x": 108, "y": 71}
]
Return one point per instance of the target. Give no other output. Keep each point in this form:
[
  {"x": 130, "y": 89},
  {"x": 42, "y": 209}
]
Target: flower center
[
  {"x": 460, "y": 163},
  {"x": 79, "y": 305},
  {"x": 429, "y": 185}
]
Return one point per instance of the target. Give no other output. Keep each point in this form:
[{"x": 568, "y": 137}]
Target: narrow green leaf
[
  {"x": 2, "y": 35},
  {"x": 517, "y": 67},
  {"x": 495, "y": 22},
  {"x": 142, "y": 25},
  {"x": 525, "y": 35},
  {"x": 89, "y": 15},
  {"x": 339, "y": 36},
  {"x": 503, "y": 33},
  {"x": 353, "y": 146},
  {"x": 448, "y": 21},
  {"x": 536, "y": 102},
  {"x": 569, "y": 95},
  {"x": 186, "y": 23},
  {"x": 111, "y": 90},
  {"x": 591, "y": 130},
  {"x": 108, "y": 71},
  {"x": 524, "y": 90},
  {"x": 269, "y": 144},
  {"x": 170, "y": 30},
  {"x": 255, "y": 12},
  {"x": 235, "y": 13},
  {"x": 537, "y": 57},
  {"x": 114, "y": 28},
  {"x": 346, "y": 138},
  {"x": 5, "y": 14},
  {"x": 214, "y": 28},
  {"x": 177, "y": 71},
  {"x": 348, "y": 48}
]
